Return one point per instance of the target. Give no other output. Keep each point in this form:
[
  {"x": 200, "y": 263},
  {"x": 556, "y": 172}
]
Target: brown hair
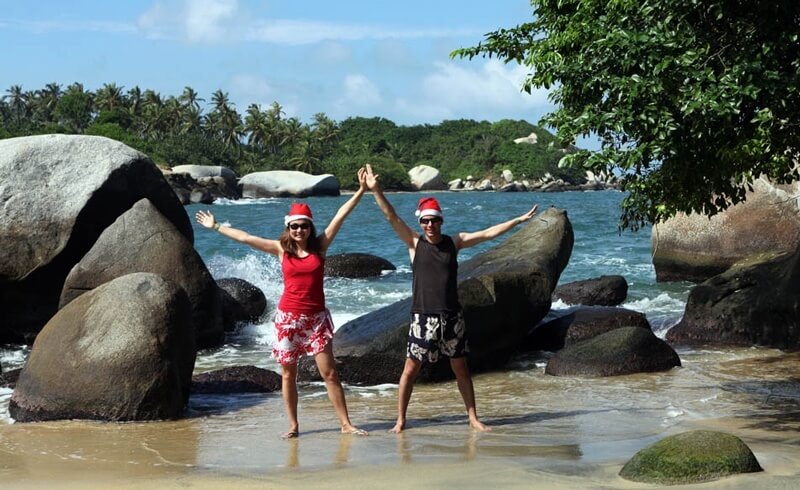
[{"x": 290, "y": 247}]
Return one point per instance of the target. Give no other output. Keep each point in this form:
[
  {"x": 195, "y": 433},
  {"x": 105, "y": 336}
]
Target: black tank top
[{"x": 435, "y": 282}]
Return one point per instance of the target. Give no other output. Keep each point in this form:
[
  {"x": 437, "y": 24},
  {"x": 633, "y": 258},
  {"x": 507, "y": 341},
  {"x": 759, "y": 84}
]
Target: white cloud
[
  {"x": 490, "y": 91},
  {"x": 333, "y": 53},
  {"x": 359, "y": 93},
  {"x": 296, "y": 32},
  {"x": 197, "y": 21},
  {"x": 210, "y": 20}
]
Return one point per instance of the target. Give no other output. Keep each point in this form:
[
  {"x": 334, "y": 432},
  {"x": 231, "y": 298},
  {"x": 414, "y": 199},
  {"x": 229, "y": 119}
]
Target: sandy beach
[{"x": 547, "y": 433}]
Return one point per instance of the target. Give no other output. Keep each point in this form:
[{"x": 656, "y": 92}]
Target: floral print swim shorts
[
  {"x": 434, "y": 334},
  {"x": 300, "y": 333}
]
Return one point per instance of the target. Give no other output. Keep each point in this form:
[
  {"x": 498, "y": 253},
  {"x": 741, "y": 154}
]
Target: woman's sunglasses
[
  {"x": 302, "y": 226},
  {"x": 426, "y": 221}
]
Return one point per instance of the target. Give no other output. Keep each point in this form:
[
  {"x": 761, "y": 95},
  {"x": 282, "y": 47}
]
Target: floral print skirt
[{"x": 300, "y": 333}]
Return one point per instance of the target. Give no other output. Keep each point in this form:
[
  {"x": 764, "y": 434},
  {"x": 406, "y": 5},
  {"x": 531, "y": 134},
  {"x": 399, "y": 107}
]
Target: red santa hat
[
  {"x": 428, "y": 206},
  {"x": 298, "y": 210}
]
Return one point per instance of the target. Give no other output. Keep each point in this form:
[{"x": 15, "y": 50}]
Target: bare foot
[
  {"x": 479, "y": 426},
  {"x": 398, "y": 427},
  {"x": 351, "y": 429},
  {"x": 291, "y": 434}
]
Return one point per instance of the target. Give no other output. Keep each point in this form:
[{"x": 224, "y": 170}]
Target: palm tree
[
  {"x": 189, "y": 98},
  {"x": 134, "y": 101},
  {"x": 109, "y": 97},
  {"x": 256, "y": 125},
  {"x": 17, "y": 103},
  {"x": 307, "y": 157},
  {"x": 293, "y": 132}
]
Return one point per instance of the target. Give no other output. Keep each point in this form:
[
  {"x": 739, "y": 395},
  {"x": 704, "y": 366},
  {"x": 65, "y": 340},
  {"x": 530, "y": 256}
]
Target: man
[{"x": 437, "y": 324}]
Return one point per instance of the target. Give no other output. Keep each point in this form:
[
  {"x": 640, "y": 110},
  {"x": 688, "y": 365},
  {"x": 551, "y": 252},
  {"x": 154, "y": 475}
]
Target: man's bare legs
[
  {"x": 289, "y": 392},
  {"x": 464, "y": 380},
  {"x": 407, "y": 379},
  {"x": 327, "y": 369}
]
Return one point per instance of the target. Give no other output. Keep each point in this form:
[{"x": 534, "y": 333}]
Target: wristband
[{"x": 216, "y": 226}]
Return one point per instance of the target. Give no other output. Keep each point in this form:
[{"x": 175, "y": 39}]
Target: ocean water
[{"x": 600, "y": 248}]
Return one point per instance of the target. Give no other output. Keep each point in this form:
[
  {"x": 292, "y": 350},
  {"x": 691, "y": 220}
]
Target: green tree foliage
[
  {"x": 175, "y": 131},
  {"x": 74, "y": 109},
  {"x": 692, "y": 99}
]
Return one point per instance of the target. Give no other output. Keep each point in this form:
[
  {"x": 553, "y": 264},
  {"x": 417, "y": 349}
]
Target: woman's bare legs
[
  {"x": 289, "y": 392},
  {"x": 327, "y": 369}
]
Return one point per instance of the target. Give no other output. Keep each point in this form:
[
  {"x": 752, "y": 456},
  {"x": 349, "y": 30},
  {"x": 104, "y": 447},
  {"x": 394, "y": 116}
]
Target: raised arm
[
  {"x": 464, "y": 240},
  {"x": 206, "y": 219},
  {"x": 327, "y": 236},
  {"x": 403, "y": 231}
]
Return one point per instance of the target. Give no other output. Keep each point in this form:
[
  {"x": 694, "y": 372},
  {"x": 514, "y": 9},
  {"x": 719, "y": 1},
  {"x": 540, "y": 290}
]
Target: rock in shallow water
[
  {"x": 691, "y": 457},
  {"x": 123, "y": 351},
  {"x": 625, "y": 350}
]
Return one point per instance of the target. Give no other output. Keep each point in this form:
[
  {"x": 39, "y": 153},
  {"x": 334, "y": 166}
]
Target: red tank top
[{"x": 302, "y": 284}]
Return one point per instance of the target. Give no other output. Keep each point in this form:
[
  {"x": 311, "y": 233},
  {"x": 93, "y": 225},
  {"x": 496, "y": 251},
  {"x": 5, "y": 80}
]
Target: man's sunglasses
[
  {"x": 425, "y": 221},
  {"x": 302, "y": 226}
]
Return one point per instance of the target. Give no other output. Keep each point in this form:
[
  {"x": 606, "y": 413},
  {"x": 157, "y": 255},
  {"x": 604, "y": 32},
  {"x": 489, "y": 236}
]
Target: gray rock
[
  {"x": 695, "y": 247},
  {"x": 601, "y": 291},
  {"x": 236, "y": 379},
  {"x": 426, "y": 178},
  {"x": 749, "y": 304},
  {"x": 502, "y": 291},
  {"x": 573, "y": 325},
  {"x": 124, "y": 351},
  {"x": 201, "y": 171},
  {"x": 287, "y": 183},
  {"x": 241, "y": 302},
  {"x": 142, "y": 240},
  {"x": 59, "y": 192},
  {"x": 485, "y": 185},
  {"x": 625, "y": 350},
  {"x": 356, "y": 265}
]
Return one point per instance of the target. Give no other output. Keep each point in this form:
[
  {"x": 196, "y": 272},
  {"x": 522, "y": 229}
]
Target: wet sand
[{"x": 547, "y": 433}]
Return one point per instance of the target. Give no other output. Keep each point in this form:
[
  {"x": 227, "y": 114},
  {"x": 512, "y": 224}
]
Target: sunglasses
[
  {"x": 302, "y": 226},
  {"x": 426, "y": 221}
]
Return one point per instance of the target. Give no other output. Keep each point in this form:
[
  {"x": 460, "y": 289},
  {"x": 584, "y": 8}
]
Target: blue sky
[{"x": 343, "y": 58}]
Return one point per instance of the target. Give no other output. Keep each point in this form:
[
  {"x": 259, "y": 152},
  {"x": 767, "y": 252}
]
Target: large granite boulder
[
  {"x": 142, "y": 240},
  {"x": 502, "y": 291},
  {"x": 59, "y": 192},
  {"x": 236, "y": 379},
  {"x": 566, "y": 327},
  {"x": 691, "y": 457},
  {"x": 242, "y": 301},
  {"x": 287, "y": 183},
  {"x": 123, "y": 351},
  {"x": 426, "y": 178},
  {"x": 355, "y": 265},
  {"x": 696, "y": 247},
  {"x": 624, "y": 350},
  {"x": 601, "y": 291},
  {"x": 749, "y": 304}
]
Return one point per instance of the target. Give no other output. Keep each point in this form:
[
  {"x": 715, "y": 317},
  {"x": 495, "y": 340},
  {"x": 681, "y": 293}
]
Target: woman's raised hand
[
  {"x": 205, "y": 218},
  {"x": 525, "y": 217},
  {"x": 362, "y": 178}
]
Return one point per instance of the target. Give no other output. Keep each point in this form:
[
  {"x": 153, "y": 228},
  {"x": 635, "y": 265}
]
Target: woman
[{"x": 302, "y": 322}]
